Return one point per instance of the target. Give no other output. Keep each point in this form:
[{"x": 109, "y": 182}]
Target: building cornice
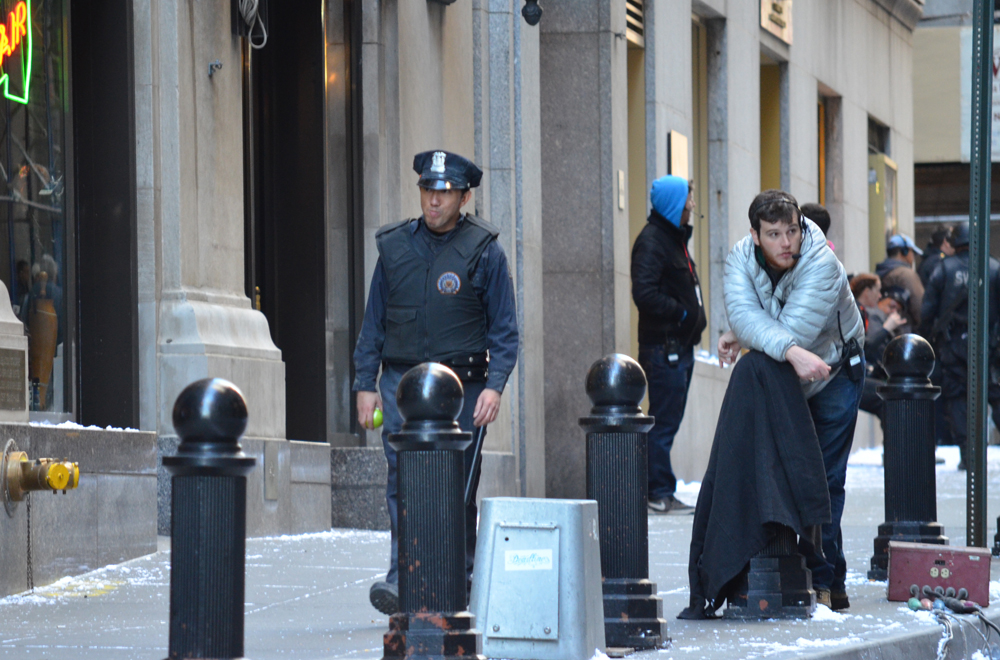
[{"x": 908, "y": 12}]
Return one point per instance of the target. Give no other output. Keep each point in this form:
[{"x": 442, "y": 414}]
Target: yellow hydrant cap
[{"x": 58, "y": 476}]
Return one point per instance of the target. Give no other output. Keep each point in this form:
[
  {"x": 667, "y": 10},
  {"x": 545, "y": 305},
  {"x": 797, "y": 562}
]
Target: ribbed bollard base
[
  {"x": 433, "y": 636},
  {"x": 207, "y": 567},
  {"x": 777, "y": 585},
  {"x": 911, "y": 532},
  {"x": 432, "y": 531},
  {"x": 633, "y": 614}
]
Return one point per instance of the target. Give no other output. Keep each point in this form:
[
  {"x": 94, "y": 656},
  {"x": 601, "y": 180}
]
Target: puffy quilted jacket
[{"x": 801, "y": 310}]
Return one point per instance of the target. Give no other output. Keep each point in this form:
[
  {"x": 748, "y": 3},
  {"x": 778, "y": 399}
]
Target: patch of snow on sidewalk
[
  {"x": 330, "y": 535},
  {"x": 825, "y": 614},
  {"x": 866, "y": 457}
]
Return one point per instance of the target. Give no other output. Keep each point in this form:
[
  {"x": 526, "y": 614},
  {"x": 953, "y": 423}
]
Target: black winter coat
[{"x": 665, "y": 284}]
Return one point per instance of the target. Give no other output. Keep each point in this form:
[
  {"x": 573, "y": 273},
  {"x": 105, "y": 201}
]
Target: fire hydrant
[{"x": 19, "y": 475}]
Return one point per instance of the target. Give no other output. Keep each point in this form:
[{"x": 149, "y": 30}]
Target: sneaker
[
  {"x": 839, "y": 600},
  {"x": 823, "y": 597},
  {"x": 679, "y": 508},
  {"x": 669, "y": 504},
  {"x": 384, "y": 596}
]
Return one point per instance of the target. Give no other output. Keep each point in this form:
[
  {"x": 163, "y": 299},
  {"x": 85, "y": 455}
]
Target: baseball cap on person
[
  {"x": 900, "y": 241},
  {"x": 897, "y": 293}
]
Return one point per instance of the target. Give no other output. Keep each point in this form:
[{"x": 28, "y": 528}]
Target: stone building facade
[{"x": 226, "y": 199}]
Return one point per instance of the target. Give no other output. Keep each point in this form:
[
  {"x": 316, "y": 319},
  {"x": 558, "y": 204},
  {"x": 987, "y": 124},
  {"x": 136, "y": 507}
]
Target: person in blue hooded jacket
[{"x": 671, "y": 319}]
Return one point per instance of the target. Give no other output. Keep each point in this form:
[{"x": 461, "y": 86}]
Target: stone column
[
  {"x": 193, "y": 306},
  {"x": 582, "y": 62},
  {"x": 507, "y": 147}
]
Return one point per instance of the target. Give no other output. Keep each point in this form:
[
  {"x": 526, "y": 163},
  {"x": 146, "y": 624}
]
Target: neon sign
[{"x": 15, "y": 39}]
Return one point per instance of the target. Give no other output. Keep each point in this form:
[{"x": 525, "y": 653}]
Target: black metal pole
[
  {"x": 208, "y": 522},
  {"x": 617, "y": 478},
  {"x": 910, "y": 490},
  {"x": 433, "y": 621},
  {"x": 979, "y": 255}
]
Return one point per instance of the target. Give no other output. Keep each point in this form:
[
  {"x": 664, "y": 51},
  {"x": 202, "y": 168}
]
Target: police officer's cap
[
  {"x": 960, "y": 235},
  {"x": 443, "y": 170}
]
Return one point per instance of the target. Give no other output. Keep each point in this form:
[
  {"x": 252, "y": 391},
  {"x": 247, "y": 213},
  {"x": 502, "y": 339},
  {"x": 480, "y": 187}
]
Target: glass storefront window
[{"x": 34, "y": 101}]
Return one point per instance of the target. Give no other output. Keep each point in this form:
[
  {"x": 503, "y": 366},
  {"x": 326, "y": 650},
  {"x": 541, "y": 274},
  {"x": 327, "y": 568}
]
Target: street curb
[{"x": 913, "y": 645}]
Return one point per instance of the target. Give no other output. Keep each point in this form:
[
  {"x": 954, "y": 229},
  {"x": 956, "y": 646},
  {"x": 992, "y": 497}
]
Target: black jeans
[{"x": 668, "y": 388}]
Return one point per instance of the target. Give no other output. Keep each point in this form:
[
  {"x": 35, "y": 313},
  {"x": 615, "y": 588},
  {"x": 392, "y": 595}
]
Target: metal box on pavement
[
  {"x": 938, "y": 566},
  {"x": 536, "y": 587}
]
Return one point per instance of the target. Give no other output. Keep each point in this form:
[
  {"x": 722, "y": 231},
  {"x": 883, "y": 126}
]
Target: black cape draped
[{"x": 765, "y": 467}]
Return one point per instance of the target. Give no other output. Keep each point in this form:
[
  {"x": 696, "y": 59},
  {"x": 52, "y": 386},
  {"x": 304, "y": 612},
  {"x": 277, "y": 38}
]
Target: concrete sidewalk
[{"x": 307, "y": 597}]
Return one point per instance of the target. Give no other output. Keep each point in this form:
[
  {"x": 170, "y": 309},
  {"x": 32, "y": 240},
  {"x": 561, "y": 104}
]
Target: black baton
[{"x": 477, "y": 458}]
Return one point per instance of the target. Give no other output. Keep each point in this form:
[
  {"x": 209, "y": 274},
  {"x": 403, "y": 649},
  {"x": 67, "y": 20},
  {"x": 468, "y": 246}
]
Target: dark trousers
[
  {"x": 871, "y": 402},
  {"x": 834, "y": 412},
  {"x": 958, "y": 417},
  {"x": 392, "y": 422},
  {"x": 668, "y": 389},
  {"x": 954, "y": 393}
]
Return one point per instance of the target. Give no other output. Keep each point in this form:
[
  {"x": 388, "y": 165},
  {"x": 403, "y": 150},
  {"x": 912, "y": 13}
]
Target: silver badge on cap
[{"x": 437, "y": 165}]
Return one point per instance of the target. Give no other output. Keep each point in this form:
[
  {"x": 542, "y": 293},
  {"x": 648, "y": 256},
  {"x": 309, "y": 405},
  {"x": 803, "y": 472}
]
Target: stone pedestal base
[
  {"x": 633, "y": 615},
  {"x": 433, "y": 636},
  {"x": 776, "y": 585},
  {"x": 909, "y": 531},
  {"x": 774, "y": 588}
]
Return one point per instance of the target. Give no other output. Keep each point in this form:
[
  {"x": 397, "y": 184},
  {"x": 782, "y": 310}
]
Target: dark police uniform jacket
[
  {"x": 945, "y": 320},
  {"x": 432, "y": 313},
  {"x": 453, "y": 302}
]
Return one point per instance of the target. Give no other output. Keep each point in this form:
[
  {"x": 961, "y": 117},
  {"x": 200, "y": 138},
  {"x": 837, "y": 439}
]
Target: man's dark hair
[
  {"x": 819, "y": 215},
  {"x": 937, "y": 238},
  {"x": 773, "y": 206},
  {"x": 897, "y": 251}
]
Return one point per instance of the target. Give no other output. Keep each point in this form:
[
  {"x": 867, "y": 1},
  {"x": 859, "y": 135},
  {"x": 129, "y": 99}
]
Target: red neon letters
[{"x": 11, "y": 33}]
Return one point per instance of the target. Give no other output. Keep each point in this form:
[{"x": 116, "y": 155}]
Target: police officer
[
  {"x": 945, "y": 321},
  {"x": 441, "y": 292}
]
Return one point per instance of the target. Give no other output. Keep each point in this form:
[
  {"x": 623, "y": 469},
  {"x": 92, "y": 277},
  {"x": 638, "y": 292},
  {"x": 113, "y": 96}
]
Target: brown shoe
[
  {"x": 823, "y": 597},
  {"x": 839, "y": 600}
]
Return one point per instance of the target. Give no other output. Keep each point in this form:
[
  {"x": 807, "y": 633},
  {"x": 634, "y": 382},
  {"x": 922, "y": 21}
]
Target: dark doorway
[
  {"x": 105, "y": 213},
  {"x": 286, "y": 220}
]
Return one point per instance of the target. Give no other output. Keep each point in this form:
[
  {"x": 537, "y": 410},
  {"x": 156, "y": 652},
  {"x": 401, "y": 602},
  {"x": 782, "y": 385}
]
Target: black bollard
[
  {"x": 617, "y": 478},
  {"x": 776, "y": 584},
  {"x": 996, "y": 540},
  {"x": 208, "y": 522},
  {"x": 908, "y": 450},
  {"x": 433, "y": 621}
]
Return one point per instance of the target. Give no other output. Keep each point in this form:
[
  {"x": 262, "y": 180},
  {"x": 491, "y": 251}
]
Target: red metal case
[{"x": 938, "y": 566}]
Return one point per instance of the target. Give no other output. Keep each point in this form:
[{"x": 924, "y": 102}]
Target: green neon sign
[{"x": 15, "y": 39}]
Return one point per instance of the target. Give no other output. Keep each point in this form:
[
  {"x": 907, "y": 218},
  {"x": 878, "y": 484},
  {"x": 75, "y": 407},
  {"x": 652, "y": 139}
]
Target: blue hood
[{"x": 668, "y": 196}]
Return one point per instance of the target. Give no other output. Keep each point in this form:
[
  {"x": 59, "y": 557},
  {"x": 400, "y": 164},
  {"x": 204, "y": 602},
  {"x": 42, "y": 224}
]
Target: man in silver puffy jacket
[{"x": 787, "y": 296}]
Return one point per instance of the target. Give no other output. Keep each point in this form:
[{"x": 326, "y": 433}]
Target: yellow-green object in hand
[{"x": 377, "y": 418}]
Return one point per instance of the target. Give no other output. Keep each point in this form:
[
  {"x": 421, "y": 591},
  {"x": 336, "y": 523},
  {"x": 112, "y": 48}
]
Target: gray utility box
[{"x": 536, "y": 588}]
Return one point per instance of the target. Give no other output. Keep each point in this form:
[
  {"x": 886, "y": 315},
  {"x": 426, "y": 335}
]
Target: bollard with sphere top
[
  {"x": 433, "y": 621},
  {"x": 908, "y": 446},
  {"x": 208, "y": 522},
  {"x": 617, "y": 478}
]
